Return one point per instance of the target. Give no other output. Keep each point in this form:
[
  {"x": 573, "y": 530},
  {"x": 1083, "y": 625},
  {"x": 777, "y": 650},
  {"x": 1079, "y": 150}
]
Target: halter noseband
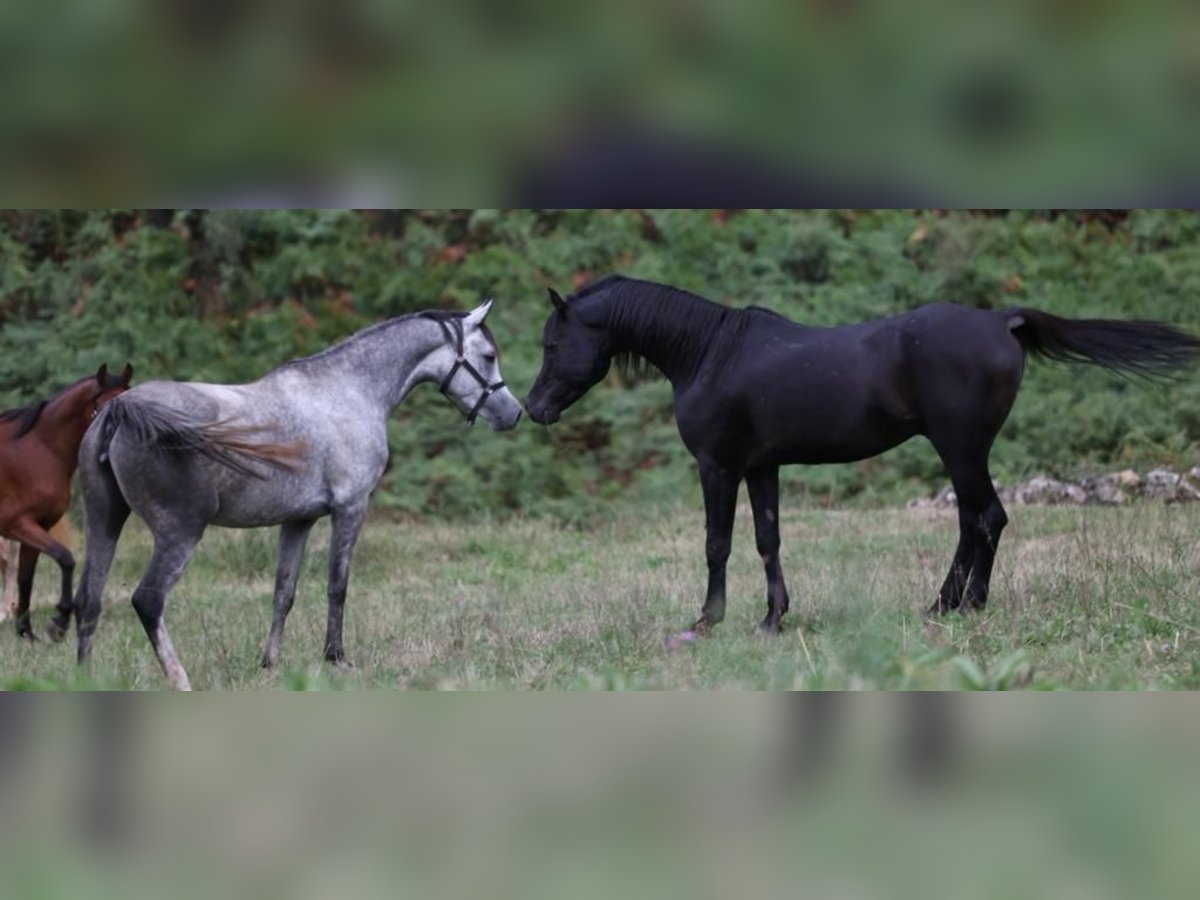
[{"x": 453, "y": 331}]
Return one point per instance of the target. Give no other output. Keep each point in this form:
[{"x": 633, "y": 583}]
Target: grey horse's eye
[{"x": 489, "y": 357}]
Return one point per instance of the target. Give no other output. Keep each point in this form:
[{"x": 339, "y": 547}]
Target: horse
[
  {"x": 754, "y": 391},
  {"x": 307, "y": 440},
  {"x": 39, "y": 446}
]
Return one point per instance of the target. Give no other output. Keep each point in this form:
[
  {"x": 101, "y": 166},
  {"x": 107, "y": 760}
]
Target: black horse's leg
[
  {"x": 989, "y": 525},
  {"x": 346, "y": 524},
  {"x": 720, "y": 504},
  {"x": 981, "y": 518},
  {"x": 951, "y": 595},
  {"x": 292, "y": 538},
  {"x": 763, "y": 486}
]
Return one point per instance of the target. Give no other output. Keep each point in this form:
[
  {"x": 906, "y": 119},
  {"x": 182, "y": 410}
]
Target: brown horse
[{"x": 39, "y": 450}]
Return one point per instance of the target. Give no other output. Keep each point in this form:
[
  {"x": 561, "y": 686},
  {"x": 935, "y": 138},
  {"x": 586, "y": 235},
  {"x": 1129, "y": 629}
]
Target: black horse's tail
[
  {"x": 233, "y": 446},
  {"x": 1151, "y": 350}
]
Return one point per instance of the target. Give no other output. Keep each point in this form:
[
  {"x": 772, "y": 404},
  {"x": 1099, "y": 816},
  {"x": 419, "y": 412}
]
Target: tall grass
[{"x": 1082, "y": 598}]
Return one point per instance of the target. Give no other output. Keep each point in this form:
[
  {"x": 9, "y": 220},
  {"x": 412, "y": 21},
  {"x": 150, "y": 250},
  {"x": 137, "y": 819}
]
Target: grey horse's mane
[{"x": 379, "y": 327}]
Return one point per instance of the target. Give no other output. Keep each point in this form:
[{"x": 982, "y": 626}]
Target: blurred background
[
  {"x": 587, "y": 797},
  {"x": 530, "y": 102},
  {"x": 225, "y": 295}
]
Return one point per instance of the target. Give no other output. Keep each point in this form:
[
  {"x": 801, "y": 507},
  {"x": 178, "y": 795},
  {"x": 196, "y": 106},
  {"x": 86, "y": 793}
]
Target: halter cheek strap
[{"x": 453, "y": 331}]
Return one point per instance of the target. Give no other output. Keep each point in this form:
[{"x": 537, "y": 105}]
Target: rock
[
  {"x": 1162, "y": 484},
  {"x": 1129, "y": 479},
  {"x": 944, "y": 499},
  {"x": 1050, "y": 491},
  {"x": 1106, "y": 489},
  {"x": 1113, "y": 489}
]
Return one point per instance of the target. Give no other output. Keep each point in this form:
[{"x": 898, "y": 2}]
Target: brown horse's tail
[
  {"x": 1152, "y": 350},
  {"x": 234, "y": 446}
]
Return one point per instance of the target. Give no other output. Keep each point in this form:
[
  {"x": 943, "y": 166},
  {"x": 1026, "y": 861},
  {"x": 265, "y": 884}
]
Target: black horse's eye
[{"x": 551, "y": 347}]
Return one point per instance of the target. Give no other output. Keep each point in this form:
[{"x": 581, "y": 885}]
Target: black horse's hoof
[
  {"x": 768, "y": 628},
  {"x": 26, "y": 632},
  {"x": 702, "y": 627}
]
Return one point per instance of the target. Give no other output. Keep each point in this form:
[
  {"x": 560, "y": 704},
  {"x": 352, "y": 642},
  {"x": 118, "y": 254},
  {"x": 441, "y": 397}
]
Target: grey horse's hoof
[{"x": 56, "y": 631}]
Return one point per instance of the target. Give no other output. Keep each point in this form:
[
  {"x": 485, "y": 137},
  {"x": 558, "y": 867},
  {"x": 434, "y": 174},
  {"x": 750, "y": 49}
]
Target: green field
[{"x": 1081, "y": 598}]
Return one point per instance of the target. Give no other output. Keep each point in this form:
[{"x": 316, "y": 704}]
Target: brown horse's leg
[
  {"x": 720, "y": 505},
  {"x": 26, "y": 567},
  {"x": 763, "y": 487},
  {"x": 8, "y": 573},
  {"x": 35, "y": 540},
  {"x": 61, "y": 621}
]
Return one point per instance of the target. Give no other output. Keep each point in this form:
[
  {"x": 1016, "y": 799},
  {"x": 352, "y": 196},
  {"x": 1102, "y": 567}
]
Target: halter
[{"x": 453, "y": 331}]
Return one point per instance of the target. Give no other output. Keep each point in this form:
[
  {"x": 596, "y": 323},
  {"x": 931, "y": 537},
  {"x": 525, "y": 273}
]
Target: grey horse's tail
[{"x": 233, "y": 446}]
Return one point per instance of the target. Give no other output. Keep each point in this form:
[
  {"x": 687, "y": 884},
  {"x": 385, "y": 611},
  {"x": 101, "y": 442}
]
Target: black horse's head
[{"x": 575, "y": 355}]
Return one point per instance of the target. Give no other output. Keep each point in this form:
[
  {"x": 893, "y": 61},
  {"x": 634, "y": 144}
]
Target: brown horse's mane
[{"x": 25, "y": 416}]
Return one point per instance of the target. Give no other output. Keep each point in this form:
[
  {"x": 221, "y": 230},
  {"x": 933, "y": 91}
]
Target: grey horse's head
[{"x": 470, "y": 375}]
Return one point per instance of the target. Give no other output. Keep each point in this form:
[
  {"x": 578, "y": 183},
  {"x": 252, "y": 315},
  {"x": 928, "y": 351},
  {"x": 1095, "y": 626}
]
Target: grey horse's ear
[
  {"x": 559, "y": 303},
  {"x": 102, "y": 374},
  {"x": 476, "y": 316},
  {"x": 127, "y": 374}
]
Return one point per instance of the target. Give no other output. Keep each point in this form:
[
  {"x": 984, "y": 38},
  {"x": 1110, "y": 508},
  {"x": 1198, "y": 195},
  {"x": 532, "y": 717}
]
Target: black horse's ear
[
  {"x": 127, "y": 374},
  {"x": 102, "y": 374},
  {"x": 559, "y": 303}
]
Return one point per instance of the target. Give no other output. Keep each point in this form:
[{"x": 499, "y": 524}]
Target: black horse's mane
[
  {"x": 27, "y": 416},
  {"x": 680, "y": 325}
]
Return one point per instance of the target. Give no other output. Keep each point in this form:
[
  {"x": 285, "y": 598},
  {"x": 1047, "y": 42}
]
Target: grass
[{"x": 1082, "y": 598}]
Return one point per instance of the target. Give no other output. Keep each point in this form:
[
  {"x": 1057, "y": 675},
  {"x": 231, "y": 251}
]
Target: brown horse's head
[
  {"x": 105, "y": 386},
  {"x": 72, "y": 408}
]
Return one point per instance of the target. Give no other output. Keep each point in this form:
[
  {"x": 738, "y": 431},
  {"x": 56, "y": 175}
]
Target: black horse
[{"x": 754, "y": 391}]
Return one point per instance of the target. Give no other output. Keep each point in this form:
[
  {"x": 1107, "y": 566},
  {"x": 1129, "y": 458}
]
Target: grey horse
[{"x": 307, "y": 440}]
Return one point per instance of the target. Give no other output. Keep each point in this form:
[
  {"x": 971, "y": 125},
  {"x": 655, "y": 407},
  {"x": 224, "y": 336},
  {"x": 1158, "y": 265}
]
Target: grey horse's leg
[
  {"x": 104, "y": 514},
  {"x": 172, "y": 553},
  {"x": 292, "y": 538},
  {"x": 347, "y": 522}
]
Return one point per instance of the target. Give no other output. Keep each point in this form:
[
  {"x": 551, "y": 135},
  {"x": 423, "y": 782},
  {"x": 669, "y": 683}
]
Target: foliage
[{"x": 226, "y": 295}]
